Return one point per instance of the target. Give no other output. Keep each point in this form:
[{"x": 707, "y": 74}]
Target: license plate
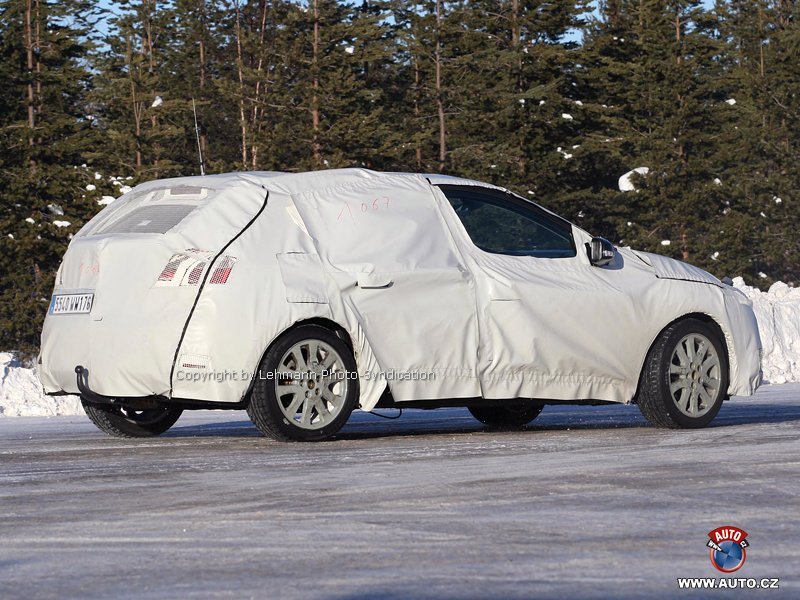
[{"x": 71, "y": 304}]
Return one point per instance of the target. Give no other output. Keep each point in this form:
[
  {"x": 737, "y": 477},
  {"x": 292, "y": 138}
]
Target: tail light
[
  {"x": 187, "y": 268},
  {"x": 172, "y": 267},
  {"x": 195, "y": 273},
  {"x": 223, "y": 270}
]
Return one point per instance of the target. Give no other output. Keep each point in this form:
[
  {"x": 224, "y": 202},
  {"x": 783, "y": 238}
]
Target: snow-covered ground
[
  {"x": 587, "y": 502},
  {"x": 777, "y": 311}
]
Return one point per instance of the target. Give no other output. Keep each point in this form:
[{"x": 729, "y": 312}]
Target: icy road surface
[{"x": 587, "y": 503}]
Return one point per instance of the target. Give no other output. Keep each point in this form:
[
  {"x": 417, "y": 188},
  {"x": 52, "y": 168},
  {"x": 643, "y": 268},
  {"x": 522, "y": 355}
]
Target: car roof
[{"x": 293, "y": 183}]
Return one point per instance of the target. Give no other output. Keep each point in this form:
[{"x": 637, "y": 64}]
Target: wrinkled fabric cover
[
  {"x": 385, "y": 257},
  {"x": 667, "y": 268}
]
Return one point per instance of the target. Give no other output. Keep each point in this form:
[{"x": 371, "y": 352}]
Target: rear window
[{"x": 151, "y": 211}]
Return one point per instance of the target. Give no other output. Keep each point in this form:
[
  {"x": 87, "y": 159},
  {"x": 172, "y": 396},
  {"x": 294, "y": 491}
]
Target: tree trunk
[
  {"x": 257, "y": 110},
  {"x": 240, "y": 68},
  {"x": 150, "y": 45},
  {"x": 316, "y": 147},
  {"x": 28, "y": 33},
  {"x": 37, "y": 44},
  {"x": 438, "y": 83},
  {"x": 684, "y": 245},
  {"x": 202, "y": 50},
  {"x": 516, "y": 43},
  {"x": 761, "y": 40},
  {"x": 136, "y": 108},
  {"x": 681, "y": 149},
  {"x": 418, "y": 150}
]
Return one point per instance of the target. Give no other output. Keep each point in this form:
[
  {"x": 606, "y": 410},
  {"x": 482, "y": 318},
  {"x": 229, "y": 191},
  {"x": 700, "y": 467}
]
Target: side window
[{"x": 504, "y": 225}]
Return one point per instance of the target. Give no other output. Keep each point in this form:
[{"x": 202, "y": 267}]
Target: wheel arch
[
  {"x": 700, "y": 316},
  {"x": 328, "y": 324}
]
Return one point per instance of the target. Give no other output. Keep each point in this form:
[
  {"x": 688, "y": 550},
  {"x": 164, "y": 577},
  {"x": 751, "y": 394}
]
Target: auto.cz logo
[
  {"x": 728, "y": 583},
  {"x": 728, "y": 548}
]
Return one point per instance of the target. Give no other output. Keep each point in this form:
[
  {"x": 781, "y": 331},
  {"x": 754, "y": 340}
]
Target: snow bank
[
  {"x": 777, "y": 311},
  {"x": 778, "y": 314},
  {"x": 21, "y": 393}
]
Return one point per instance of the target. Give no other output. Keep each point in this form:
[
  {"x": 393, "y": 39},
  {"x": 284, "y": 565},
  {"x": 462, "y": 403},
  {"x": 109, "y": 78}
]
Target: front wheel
[
  {"x": 685, "y": 376},
  {"x": 120, "y": 421},
  {"x": 509, "y": 415},
  {"x": 306, "y": 388}
]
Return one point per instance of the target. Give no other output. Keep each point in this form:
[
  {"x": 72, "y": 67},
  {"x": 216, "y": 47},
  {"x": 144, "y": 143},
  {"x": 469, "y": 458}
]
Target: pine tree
[
  {"x": 337, "y": 58},
  {"x": 653, "y": 70},
  {"x": 146, "y": 122},
  {"x": 426, "y": 38},
  {"x": 192, "y": 66},
  {"x": 762, "y": 78},
  {"x": 549, "y": 97},
  {"x": 782, "y": 243},
  {"x": 518, "y": 113},
  {"x": 45, "y": 130}
]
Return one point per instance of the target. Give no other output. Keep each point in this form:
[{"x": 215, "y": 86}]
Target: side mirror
[{"x": 601, "y": 252}]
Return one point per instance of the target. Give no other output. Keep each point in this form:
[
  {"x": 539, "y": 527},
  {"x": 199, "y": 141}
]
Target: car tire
[
  {"x": 306, "y": 386},
  {"x": 509, "y": 415},
  {"x": 685, "y": 376},
  {"x": 119, "y": 421}
]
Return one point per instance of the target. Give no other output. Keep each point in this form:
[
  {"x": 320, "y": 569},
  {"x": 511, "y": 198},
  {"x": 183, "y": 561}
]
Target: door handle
[
  {"x": 369, "y": 281},
  {"x": 501, "y": 292}
]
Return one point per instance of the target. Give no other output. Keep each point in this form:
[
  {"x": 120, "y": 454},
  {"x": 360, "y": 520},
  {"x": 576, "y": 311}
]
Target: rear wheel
[
  {"x": 120, "y": 421},
  {"x": 509, "y": 415},
  {"x": 685, "y": 376},
  {"x": 307, "y": 386}
]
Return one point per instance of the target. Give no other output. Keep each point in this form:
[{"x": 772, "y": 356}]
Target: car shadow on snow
[
  {"x": 238, "y": 428},
  {"x": 452, "y": 421}
]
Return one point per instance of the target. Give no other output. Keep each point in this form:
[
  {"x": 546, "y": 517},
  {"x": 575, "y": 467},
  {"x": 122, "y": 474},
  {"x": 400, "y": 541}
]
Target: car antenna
[{"x": 197, "y": 135}]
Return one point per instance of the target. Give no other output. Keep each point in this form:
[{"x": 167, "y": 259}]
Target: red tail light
[
  {"x": 186, "y": 269},
  {"x": 195, "y": 273},
  {"x": 223, "y": 270},
  {"x": 172, "y": 267}
]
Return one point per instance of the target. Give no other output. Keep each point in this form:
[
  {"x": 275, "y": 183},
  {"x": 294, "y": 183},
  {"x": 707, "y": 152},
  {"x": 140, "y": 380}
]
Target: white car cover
[{"x": 191, "y": 279}]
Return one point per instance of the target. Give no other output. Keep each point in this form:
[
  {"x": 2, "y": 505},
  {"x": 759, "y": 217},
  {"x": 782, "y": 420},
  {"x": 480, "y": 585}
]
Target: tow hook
[{"x": 82, "y": 375}]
